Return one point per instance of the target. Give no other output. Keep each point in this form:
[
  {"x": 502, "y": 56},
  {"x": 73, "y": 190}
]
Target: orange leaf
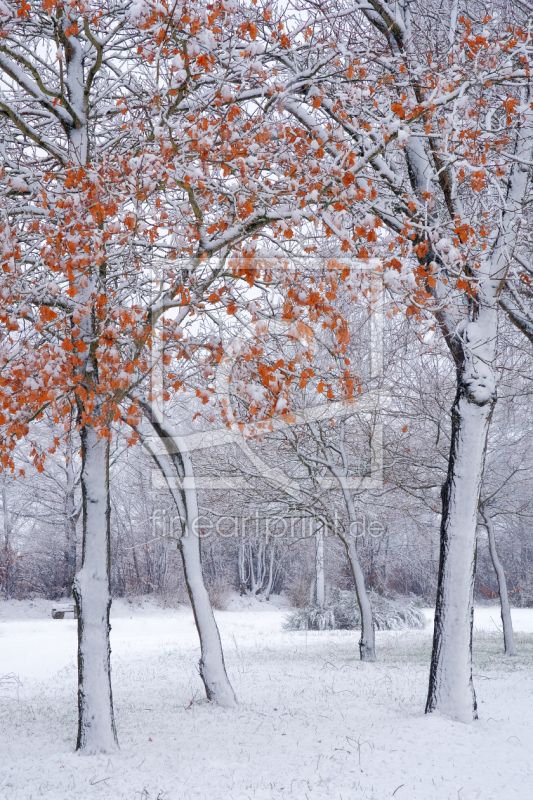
[{"x": 398, "y": 109}]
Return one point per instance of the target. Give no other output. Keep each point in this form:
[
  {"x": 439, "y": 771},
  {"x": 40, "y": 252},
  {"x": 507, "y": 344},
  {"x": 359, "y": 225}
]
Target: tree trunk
[
  {"x": 473, "y": 345},
  {"x": 320, "y": 580},
  {"x": 451, "y": 690},
  {"x": 508, "y": 635},
  {"x": 367, "y": 642},
  {"x": 8, "y": 559},
  {"x": 270, "y": 572},
  {"x": 255, "y": 569},
  {"x": 212, "y": 667},
  {"x": 243, "y": 575},
  {"x": 96, "y": 722},
  {"x": 70, "y": 552},
  {"x": 71, "y": 522}
]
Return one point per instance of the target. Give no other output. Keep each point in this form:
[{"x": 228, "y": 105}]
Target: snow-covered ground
[{"x": 313, "y": 721}]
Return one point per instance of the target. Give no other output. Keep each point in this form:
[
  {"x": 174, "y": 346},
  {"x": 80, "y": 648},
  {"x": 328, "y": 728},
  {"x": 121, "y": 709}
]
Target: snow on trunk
[
  {"x": 212, "y": 667},
  {"x": 70, "y": 549},
  {"x": 367, "y": 642},
  {"x": 71, "y": 520},
  {"x": 451, "y": 690},
  {"x": 319, "y": 562},
  {"x": 9, "y": 561},
  {"x": 268, "y": 589},
  {"x": 96, "y": 722},
  {"x": 91, "y": 588},
  {"x": 508, "y": 635}
]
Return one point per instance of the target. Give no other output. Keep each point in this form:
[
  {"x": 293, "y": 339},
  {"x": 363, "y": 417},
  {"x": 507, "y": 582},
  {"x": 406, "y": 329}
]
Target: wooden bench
[{"x": 62, "y": 609}]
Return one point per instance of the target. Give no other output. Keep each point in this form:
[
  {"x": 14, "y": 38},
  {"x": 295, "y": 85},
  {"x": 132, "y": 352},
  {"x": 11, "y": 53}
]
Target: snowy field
[{"x": 313, "y": 721}]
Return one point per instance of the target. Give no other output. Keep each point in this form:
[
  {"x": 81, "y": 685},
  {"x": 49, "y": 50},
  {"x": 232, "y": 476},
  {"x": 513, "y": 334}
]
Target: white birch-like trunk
[
  {"x": 319, "y": 562},
  {"x": 507, "y": 623},
  {"x": 367, "y": 642},
  {"x": 212, "y": 666},
  {"x": 8, "y": 568},
  {"x": 96, "y": 722},
  {"x": 71, "y": 520},
  {"x": 270, "y": 572},
  {"x": 7, "y": 526},
  {"x": 70, "y": 549},
  {"x": 255, "y": 577},
  {"x": 243, "y": 575}
]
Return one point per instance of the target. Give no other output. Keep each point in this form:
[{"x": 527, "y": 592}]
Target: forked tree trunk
[
  {"x": 96, "y": 722},
  {"x": 91, "y": 588},
  {"x": 473, "y": 344},
  {"x": 212, "y": 666},
  {"x": 451, "y": 690},
  {"x": 505, "y": 608}
]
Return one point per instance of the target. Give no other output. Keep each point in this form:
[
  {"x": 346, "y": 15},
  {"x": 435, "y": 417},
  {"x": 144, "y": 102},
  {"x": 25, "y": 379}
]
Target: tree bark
[
  {"x": 96, "y": 722},
  {"x": 8, "y": 553},
  {"x": 451, "y": 690},
  {"x": 71, "y": 524},
  {"x": 367, "y": 642},
  {"x": 270, "y": 572},
  {"x": 212, "y": 666},
  {"x": 70, "y": 551},
  {"x": 507, "y": 623},
  {"x": 319, "y": 562}
]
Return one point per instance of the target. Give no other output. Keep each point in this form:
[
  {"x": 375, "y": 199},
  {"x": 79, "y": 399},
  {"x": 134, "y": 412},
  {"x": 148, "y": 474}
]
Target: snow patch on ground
[
  {"x": 313, "y": 721},
  {"x": 248, "y": 602}
]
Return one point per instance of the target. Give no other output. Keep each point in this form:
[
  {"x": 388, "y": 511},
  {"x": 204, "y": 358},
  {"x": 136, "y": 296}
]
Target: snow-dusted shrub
[
  {"x": 341, "y": 611},
  {"x": 219, "y": 593}
]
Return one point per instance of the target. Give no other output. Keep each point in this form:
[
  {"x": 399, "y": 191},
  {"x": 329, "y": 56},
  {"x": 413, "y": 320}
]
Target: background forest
[{"x": 42, "y": 536}]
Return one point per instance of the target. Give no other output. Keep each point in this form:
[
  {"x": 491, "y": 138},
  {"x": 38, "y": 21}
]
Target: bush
[
  {"x": 341, "y": 611},
  {"x": 219, "y": 593}
]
